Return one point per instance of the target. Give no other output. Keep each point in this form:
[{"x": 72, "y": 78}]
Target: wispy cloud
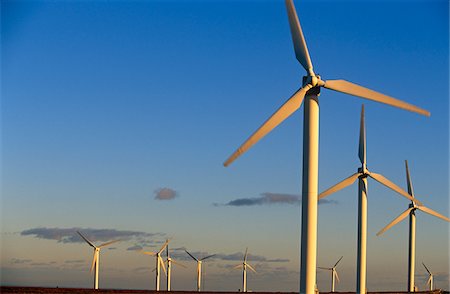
[
  {"x": 165, "y": 194},
  {"x": 268, "y": 198},
  {"x": 69, "y": 235},
  {"x": 20, "y": 261}
]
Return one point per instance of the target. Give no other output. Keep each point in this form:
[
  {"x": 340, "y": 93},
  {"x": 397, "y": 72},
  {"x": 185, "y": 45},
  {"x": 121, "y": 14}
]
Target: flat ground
[{"x": 16, "y": 290}]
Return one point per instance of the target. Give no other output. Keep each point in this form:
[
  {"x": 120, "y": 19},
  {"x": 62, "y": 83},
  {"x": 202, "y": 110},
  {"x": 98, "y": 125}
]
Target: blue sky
[{"x": 108, "y": 105}]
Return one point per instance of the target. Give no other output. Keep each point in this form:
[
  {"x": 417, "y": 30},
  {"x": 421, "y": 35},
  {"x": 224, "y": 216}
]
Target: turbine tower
[
  {"x": 169, "y": 268},
  {"x": 362, "y": 174},
  {"x": 310, "y": 91},
  {"x": 334, "y": 274},
  {"x": 430, "y": 277},
  {"x": 411, "y": 211},
  {"x": 244, "y": 266},
  {"x": 199, "y": 268},
  {"x": 96, "y": 259},
  {"x": 159, "y": 263}
]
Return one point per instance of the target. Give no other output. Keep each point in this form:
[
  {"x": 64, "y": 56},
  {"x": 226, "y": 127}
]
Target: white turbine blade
[
  {"x": 432, "y": 212},
  {"x": 291, "y": 105},
  {"x": 238, "y": 266},
  {"x": 94, "y": 260},
  {"x": 338, "y": 261},
  {"x": 164, "y": 246},
  {"x": 336, "y": 275},
  {"x": 429, "y": 280},
  {"x": 108, "y": 243},
  {"x": 208, "y": 257},
  {"x": 362, "y": 92},
  {"x": 381, "y": 179},
  {"x": 408, "y": 180},
  {"x": 161, "y": 262},
  {"x": 86, "y": 239},
  {"x": 426, "y": 268},
  {"x": 250, "y": 267},
  {"x": 148, "y": 253},
  {"x": 341, "y": 185},
  {"x": 362, "y": 138},
  {"x": 301, "y": 50},
  {"x": 398, "y": 219},
  {"x": 325, "y": 268},
  {"x": 177, "y": 263},
  {"x": 191, "y": 256},
  {"x": 245, "y": 255}
]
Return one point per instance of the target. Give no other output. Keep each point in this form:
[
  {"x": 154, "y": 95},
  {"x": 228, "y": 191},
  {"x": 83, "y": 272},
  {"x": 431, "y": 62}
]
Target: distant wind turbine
[
  {"x": 430, "y": 281},
  {"x": 169, "y": 262},
  {"x": 96, "y": 259},
  {"x": 159, "y": 263},
  {"x": 411, "y": 211},
  {"x": 334, "y": 274},
  {"x": 310, "y": 91},
  {"x": 244, "y": 266},
  {"x": 199, "y": 268},
  {"x": 362, "y": 175}
]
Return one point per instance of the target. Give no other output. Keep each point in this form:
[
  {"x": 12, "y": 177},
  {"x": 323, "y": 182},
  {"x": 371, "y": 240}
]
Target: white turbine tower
[
  {"x": 169, "y": 262},
  {"x": 244, "y": 266},
  {"x": 362, "y": 174},
  {"x": 310, "y": 91},
  {"x": 334, "y": 274},
  {"x": 411, "y": 211},
  {"x": 159, "y": 263},
  {"x": 430, "y": 277},
  {"x": 199, "y": 268},
  {"x": 96, "y": 259}
]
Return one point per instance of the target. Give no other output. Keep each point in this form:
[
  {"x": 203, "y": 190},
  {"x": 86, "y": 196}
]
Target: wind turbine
[
  {"x": 411, "y": 211},
  {"x": 430, "y": 277},
  {"x": 96, "y": 259},
  {"x": 310, "y": 91},
  {"x": 362, "y": 174},
  {"x": 159, "y": 262},
  {"x": 334, "y": 274},
  {"x": 244, "y": 266},
  {"x": 169, "y": 267},
  {"x": 199, "y": 268}
]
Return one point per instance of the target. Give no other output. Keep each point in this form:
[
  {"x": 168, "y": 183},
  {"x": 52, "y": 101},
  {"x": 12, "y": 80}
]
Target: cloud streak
[
  {"x": 271, "y": 198},
  {"x": 165, "y": 194},
  {"x": 69, "y": 235}
]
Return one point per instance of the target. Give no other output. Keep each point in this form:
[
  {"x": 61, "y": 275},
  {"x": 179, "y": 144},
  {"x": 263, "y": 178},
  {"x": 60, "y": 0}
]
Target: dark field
[{"x": 16, "y": 290}]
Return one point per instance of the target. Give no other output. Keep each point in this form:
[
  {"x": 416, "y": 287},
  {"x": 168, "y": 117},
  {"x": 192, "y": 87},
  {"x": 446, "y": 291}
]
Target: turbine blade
[
  {"x": 161, "y": 262},
  {"x": 381, "y": 179},
  {"x": 245, "y": 255},
  {"x": 338, "y": 261},
  {"x": 362, "y": 92},
  {"x": 291, "y": 105},
  {"x": 301, "y": 50},
  {"x": 164, "y": 246},
  {"x": 429, "y": 280},
  {"x": 148, "y": 253},
  {"x": 432, "y": 212},
  {"x": 238, "y": 266},
  {"x": 426, "y": 268},
  {"x": 86, "y": 239},
  {"x": 395, "y": 221},
  {"x": 250, "y": 267},
  {"x": 362, "y": 138},
  {"x": 337, "y": 276},
  {"x": 94, "y": 260},
  {"x": 408, "y": 180},
  {"x": 177, "y": 263},
  {"x": 325, "y": 268},
  {"x": 191, "y": 256},
  {"x": 208, "y": 257},
  {"x": 108, "y": 243},
  {"x": 341, "y": 185}
]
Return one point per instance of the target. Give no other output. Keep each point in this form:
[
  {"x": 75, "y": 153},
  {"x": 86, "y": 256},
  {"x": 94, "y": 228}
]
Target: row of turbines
[
  {"x": 160, "y": 264},
  {"x": 309, "y": 93}
]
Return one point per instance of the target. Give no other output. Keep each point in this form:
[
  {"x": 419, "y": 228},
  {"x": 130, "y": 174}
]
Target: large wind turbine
[
  {"x": 411, "y": 211},
  {"x": 96, "y": 259},
  {"x": 362, "y": 175},
  {"x": 430, "y": 277},
  {"x": 169, "y": 267},
  {"x": 244, "y": 266},
  {"x": 159, "y": 263},
  {"x": 310, "y": 91},
  {"x": 334, "y": 274},
  {"x": 199, "y": 268}
]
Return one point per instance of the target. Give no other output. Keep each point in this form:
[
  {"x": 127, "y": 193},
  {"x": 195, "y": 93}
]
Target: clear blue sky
[{"x": 117, "y": 117}]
